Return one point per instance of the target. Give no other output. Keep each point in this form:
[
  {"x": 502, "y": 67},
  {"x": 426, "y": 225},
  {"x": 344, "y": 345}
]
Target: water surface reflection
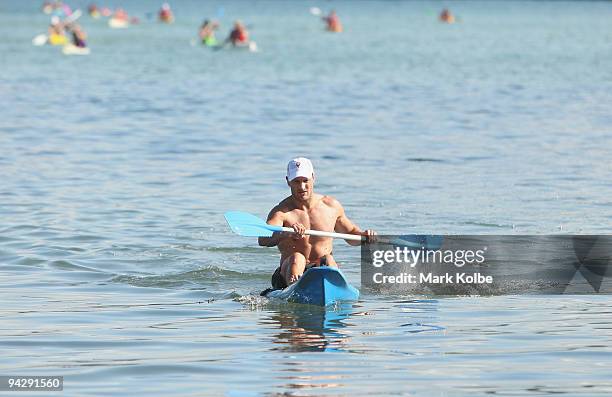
[{"x": 305, "y": 328}]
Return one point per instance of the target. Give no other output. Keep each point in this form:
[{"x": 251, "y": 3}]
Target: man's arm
[
  {"x": 345, "y": 225},
  {"x": 275, "y": 218}
]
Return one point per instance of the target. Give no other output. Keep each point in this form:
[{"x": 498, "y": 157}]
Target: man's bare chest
[{"x": 321, "y": 218}]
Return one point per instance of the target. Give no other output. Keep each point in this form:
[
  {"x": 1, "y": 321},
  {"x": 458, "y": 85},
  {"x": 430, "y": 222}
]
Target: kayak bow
[
  {"x": 71, "y": 49},
  {"x": 321, "y": 286}
]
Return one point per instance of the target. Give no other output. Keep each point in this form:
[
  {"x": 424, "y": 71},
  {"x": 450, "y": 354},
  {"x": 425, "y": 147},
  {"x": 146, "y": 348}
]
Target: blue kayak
[{"x": 321, "y": 286}]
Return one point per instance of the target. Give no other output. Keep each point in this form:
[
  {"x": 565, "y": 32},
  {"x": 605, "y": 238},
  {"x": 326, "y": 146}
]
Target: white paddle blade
[
  {"x": 39, "y": 40},
  {"x": 73, "y": 17}
]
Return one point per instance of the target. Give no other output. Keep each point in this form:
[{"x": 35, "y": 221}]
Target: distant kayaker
[
  {"x": 93, "y": 11},
  {"x": 56, "y": 32},
  {"x": 446, "y": 16},
  {"x": 333, "y": 22},
  {"x": 239, "y": 35},
  {"x": 47, "y": 7},
  {"x": 55, "y": 26},
  {"x": 121, "y": 15},
  {"x": 79, "y": 36},
  {"x": 303, "y": 210},
  {"x": 207, "y": 33},
  {"x": 165, "y": 14}
]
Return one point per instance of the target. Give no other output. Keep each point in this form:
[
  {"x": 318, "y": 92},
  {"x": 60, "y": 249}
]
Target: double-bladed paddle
[{"x": 248, "y": 225}]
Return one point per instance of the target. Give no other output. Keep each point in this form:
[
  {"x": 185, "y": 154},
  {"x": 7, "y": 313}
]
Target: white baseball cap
[{"x": 299, "y": 166}]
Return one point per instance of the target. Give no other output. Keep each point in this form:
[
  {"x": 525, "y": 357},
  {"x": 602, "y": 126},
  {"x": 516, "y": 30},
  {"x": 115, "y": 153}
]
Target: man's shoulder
[
  {"x": 331, "y": 201},
  {"x": 283, "y": 206}
]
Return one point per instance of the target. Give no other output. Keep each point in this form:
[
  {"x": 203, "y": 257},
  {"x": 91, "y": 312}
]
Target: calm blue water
[{"x": 118, "y": 272}]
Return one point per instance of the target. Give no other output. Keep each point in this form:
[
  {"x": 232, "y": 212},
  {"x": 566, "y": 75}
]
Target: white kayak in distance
[
  {"x": 71, "y": 49},
  {"x": 250, "y": 46},
  {"x": 115, "y": 23}
]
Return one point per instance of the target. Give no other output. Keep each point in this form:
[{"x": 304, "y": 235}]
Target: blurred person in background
[
  {"x": 56, "y": 32},
  {"x": 207, "y": 33},
  {"x": 165, "y": 14},
  {"x": 332, "y": 22},
  {"x": 239, "y": 35},
  {"x": 446, "y": 16},
  {"x": 79, "y": 36}
]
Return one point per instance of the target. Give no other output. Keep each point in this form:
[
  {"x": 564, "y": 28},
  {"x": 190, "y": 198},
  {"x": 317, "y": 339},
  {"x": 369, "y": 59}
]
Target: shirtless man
[{"x": 304, "y": 210}]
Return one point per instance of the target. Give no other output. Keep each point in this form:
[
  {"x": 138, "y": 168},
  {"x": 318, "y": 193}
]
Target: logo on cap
[{"x": 299, "y": 166}]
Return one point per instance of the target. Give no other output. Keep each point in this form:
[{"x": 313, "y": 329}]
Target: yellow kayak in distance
[{"x": 57, "y": 39}]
